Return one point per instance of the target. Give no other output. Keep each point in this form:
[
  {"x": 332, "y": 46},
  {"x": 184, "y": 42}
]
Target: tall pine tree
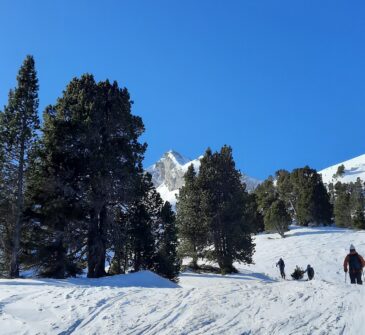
[
  {"x": 312, "y": 201},
  {"x": 358, "y": 204},
  {"x": 342, "y": 206},
  {"x": 19, "y": 125},
  {"x": 192, "y": 230},
  {"x": 91, "y": 139},
  {"x": 167, "y": 262},
  {"x": 223, "y": 210}
]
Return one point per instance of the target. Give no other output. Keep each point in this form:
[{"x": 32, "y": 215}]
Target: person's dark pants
[
  {"x": 282, "y": 273},
  {"x": 355, "y": 277}
]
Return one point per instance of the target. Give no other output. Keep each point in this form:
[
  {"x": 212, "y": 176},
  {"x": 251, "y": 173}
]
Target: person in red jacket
[{"x": 354, "y": 263}]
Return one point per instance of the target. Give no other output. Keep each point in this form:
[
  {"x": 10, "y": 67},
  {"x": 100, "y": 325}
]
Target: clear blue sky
[{"x": 282, "y": 82}]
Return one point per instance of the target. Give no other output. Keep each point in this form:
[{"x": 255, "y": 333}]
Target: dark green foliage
[
  {"x": 266, "y": 194},
  {"x": 167, "y": 262},
  {"x": 358, "y": 219},
  {"x": 192, "y": 230},
  {"x": 277, "y": 218},
  {"x": 96, "y": 136},
  {"x": 331, "y": 193},
  {"x": 142, "y": 220},
  {"x": 312, "y": 203},
  {"x": 349, "y": 204},
  {"x": 285, "y": 190},
  {"x": 86, "y": 168},
  {"x": 253, "y": 216},
  {"x": 18, "y": 128},
  {"x": 298, "y": 273},
  {"x": 272, "y": 208},
  {"x": 340, "y": 171},
  {"x": 219, "y": 206},
  {"x": 342, "y": 209},
  {"x": 54, "y": 219},
  {"x": 145, "y": 235},
  {"x": 358, "y": 204},
  {"x": 301, "y": 193}
]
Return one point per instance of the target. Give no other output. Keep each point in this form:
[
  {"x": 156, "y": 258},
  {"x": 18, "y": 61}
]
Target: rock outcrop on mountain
[{"x": 168, "y": 175}]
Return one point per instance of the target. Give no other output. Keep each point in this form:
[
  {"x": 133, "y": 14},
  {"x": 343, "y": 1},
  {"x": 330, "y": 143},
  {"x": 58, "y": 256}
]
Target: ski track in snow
[{"x": 255, "y": 301}]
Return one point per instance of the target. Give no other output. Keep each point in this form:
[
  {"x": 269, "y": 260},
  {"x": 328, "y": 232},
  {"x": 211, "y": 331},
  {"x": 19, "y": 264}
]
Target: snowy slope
[
  {"x": 354, "y": 168},
  {"x": 168, "y": 175},
  {"x": 254, "y": 301}
]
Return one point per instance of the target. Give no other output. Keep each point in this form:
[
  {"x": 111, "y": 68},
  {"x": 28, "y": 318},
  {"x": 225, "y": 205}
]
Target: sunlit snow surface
[
  {"x": 354, "y": 168},
  {"x": 254, "y": 301}
]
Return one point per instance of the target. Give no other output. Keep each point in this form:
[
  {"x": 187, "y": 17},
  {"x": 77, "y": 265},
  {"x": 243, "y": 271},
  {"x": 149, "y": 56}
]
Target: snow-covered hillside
[
  {"x": 255, "y": 301},
  {"x": 354, "y": 168},
  {"x": 168, "y": 175}
]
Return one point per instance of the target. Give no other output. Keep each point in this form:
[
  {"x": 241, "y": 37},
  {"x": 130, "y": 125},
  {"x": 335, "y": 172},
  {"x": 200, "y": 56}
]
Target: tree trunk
[
  {"x": 194, "y": 261},
  {"x": 96, "y": 244},
  {"x": 14, "y": 261},
  {"x": 60, "y": 257}
]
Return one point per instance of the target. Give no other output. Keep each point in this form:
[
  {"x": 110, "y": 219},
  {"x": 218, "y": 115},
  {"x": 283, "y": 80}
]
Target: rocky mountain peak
[{"x": 168, "y": 174}]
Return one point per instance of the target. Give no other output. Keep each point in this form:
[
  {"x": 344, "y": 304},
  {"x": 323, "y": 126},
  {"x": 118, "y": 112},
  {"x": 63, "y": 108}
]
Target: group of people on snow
[
  {"x": 309, "y": 270},
  {"x": 353, "y": 264}
]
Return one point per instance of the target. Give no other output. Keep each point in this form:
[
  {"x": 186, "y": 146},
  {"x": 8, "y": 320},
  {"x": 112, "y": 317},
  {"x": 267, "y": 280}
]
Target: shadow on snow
[
  {"x": 236, "y": 276},
  {"x": 302, "y": 231}
]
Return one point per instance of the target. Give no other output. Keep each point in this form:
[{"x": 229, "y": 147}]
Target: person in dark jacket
[
  {"x": 310, "y": 272},
  {"x": 354, "y": 263},
  {"x": 281, "y": 265}
]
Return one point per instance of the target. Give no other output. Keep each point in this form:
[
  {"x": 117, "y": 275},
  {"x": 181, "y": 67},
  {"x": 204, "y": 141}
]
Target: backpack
[{"x": 355, "y": 263}]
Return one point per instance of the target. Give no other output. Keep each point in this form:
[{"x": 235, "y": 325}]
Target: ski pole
[{"x": 345, "y": 277}]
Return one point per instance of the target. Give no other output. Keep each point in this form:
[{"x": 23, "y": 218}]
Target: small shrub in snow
[{"x": 298, "y": 273}]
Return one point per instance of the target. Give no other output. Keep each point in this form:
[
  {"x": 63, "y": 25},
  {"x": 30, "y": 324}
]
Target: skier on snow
[
  {"x": 356, "y": 263},
  {"x": 281, "y": 267},
  {"x": 310, "y": 272}
]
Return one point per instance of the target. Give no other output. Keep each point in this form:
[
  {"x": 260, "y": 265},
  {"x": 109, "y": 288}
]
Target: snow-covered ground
[
  {"x": 354, "y": 168},
  {"x": 254, "y": 301}
]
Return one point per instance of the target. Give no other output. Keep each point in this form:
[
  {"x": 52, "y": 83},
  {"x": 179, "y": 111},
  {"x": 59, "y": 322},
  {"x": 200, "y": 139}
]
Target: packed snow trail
[{"x": 254, "y": 301}]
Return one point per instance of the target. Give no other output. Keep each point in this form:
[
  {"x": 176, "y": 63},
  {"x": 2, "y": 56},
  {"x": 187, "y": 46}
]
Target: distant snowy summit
[
  {"x": 354, "y": 168},
  {"x": 168, "y": 175}
]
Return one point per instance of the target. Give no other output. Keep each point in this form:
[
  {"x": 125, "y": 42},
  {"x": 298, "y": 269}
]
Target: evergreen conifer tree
[
  {"x": 167, "y": 263},
  {"x": 144, "y": 224},
  {"x": 312, "y": 203},
  {"x": 340, "y": 171},
  {"x": 94, "y": 140},
  {"x": 277, "y": 218},
  {"x": 342, "y": 206},
  {"x": 19, "y": 125},
  {"x": 192, "y": 230},
  {"x": 253, "y": 215},
  {"x": 266, "y": 194},
  {"x": 272, "y": 207},
  {"x": 285, "y": 190},
  {"x": 223, "y": 210},
  {"x": 358, "y": 204}
]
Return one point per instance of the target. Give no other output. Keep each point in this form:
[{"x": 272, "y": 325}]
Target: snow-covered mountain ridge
[
  {"x": 354, "y": 168},
  {"x": 168, "y": 175}
]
